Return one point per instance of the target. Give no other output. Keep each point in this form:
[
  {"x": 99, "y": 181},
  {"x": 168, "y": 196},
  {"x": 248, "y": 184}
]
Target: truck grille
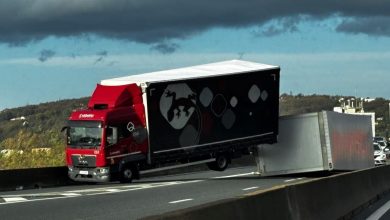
[{"x": 84, "y": 161}]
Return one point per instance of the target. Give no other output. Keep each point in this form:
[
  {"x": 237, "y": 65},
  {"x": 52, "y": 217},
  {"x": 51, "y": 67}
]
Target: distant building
[
  {"x": 22, "y": 118},
  {"x": 41, "y": 150},
  {"x": 368, "y": 99},
  {"x": 8, "y": 152}
]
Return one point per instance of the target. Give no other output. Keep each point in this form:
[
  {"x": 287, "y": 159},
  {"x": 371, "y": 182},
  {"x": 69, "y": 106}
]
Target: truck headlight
[
  {"x": 70, "y": 169},
  {"x": 103, "y": 170}
]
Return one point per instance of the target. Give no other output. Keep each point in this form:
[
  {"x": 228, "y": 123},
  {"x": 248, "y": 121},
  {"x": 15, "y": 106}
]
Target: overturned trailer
[{"x": 322, "y": 141}]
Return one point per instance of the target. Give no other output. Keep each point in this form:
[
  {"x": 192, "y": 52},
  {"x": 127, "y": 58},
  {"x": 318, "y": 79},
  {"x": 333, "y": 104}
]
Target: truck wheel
[
  {"x": 220, "y": 164},
  {"x": 127, "y": 174}
]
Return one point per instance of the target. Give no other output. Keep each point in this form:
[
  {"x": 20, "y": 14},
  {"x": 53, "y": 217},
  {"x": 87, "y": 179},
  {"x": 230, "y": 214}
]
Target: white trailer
[{"x": 322, "y": 141}]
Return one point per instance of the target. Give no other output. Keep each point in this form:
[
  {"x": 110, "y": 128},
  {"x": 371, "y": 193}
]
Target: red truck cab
[{"x": 107, "y": 135}]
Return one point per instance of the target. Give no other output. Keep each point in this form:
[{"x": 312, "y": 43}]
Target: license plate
[{"x": 83, "y": 172}]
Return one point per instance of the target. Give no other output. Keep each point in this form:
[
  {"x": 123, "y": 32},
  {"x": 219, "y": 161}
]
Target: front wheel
[{"x": 220, "y": 164}]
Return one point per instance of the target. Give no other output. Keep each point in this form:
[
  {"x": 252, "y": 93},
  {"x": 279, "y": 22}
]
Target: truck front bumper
[{"x": 99, "y": 174}]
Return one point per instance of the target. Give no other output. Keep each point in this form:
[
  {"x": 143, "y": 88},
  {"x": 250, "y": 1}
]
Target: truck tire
[
  {"x": 128, "y": 173},
  {"x": 220, "y": 164}
]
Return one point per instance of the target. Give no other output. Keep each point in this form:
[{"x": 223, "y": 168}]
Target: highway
[
  {"x": 377, "y": 210},
  {"x": 148, "y": 196}
]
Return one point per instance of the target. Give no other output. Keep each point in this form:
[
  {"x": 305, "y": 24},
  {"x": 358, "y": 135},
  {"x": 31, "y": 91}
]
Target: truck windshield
[{"x": 84, "y": 134}]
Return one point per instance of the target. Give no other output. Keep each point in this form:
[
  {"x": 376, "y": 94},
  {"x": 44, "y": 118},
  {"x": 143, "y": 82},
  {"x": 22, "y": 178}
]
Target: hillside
[
  {"x": 38, "y": 126},
  {"x": 40, "y": 118},
  {"x": 30, "y": 136},
  {"x": 290, "y": 104}
]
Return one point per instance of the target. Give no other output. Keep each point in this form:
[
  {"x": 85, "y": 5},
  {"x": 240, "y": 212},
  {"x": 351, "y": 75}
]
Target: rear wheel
[
  {"x": 220, "y": 164},
  {"x": 127, "y": 174}
]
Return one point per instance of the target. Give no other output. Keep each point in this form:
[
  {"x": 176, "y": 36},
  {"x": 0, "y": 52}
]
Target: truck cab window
[{"x": 112, "y": 135}]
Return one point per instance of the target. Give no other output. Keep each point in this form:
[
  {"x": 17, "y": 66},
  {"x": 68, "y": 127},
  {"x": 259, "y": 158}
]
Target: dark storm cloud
[
  {"x": 165, "y": 48},
  {"x": 279, "y": 26},
  {"x": 151, "y": 21},
  {"x": 45, "y": 55},
  {"x": 379, "y": 26}
]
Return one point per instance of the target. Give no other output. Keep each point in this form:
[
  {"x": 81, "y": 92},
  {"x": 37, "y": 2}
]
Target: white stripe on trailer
[
  {"x": 177, "y": 166},
  {"x": 211, "y": 143},
  {"x": 123, "y": 155}
]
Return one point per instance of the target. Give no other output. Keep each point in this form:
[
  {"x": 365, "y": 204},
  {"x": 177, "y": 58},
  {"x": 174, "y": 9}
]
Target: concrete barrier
[
  {"x": 337, "y": 196},
  {"x": 333, "y": 197},
  {"x": 33, "y": 178}
]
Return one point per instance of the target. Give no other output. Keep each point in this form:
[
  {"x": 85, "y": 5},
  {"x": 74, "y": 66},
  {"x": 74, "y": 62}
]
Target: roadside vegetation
[{"x": 31, "y": 136}]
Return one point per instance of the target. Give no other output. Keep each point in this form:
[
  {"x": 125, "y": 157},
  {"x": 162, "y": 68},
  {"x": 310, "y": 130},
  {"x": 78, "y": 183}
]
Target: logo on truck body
[
  {"x": 177, "y": 104},
  {"x": 86, "y": 116}
]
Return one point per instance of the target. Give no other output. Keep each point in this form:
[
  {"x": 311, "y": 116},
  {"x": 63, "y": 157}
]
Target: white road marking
[
  {"x": 33, "y": 195},
  {"x": 102, "y": 190},
  {"x": 290, "y": 180},
  {"x": 254, "y": 187},
  {"x": 379, "y": 212},
  {"x": 89, "y": 192},
  {"x": 70, "y": 194},
  {"x": 14, "y": 199},
  {"x": 236, "y": 175},
  {"x": 112, "y": 190},
  {"x": 34, "y": 200},
  {"x": 178, "y": 201}
]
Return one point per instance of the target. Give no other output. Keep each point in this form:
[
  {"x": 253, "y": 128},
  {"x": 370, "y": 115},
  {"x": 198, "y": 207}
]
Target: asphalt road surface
[
  {"x": 149, "y": 196},
  {"x": 378, "y": 210}
]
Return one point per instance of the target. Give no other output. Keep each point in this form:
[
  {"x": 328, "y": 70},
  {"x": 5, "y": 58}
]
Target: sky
[{"x": 55, "y": 50}]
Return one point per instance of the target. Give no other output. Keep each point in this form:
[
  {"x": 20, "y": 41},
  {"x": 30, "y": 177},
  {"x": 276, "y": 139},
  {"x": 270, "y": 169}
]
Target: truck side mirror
[
  {"x": 64, "y": 128},
  {"x": 112, "y": 135}
]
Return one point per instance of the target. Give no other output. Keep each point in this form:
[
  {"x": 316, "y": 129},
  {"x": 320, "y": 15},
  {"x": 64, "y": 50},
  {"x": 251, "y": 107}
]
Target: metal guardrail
[{"x": 33, "y": 178}]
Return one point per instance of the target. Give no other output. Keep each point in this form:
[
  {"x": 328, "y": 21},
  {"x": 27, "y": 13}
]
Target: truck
[
  {"x": 318, "y": 142},
  {"x": 209, "y": 113}
]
